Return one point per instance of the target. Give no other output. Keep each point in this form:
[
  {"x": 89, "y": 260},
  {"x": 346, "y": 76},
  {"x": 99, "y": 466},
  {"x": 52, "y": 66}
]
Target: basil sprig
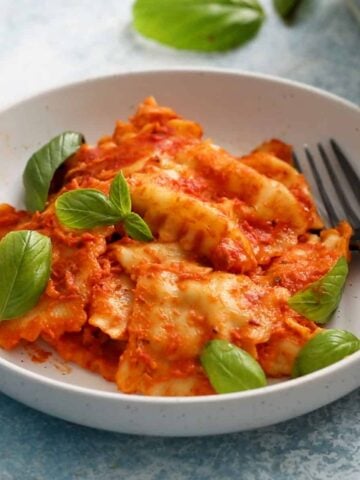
[
  {"x": 42, "y": 165},
  {"x": 85, "y": 208},
  {"x": 320, "y": 299},
  {"x": 136, "y": 228},
  {"x": 25, "y": 263},
  {"x": 231, "y": 369},
  {"x": 119, "y": 195},
  {"x": 205, "y": 25},
  {"x": 324, "y": 349},
  {"x": 88, "y": 208}
]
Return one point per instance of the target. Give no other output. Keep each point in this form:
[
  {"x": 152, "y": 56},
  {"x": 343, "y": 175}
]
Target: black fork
[{"x": 344, "y": 203}]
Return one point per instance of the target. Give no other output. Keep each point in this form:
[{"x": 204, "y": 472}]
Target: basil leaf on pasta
[
  {"x": 25, "y": 263},
  {"x": 324, "y": 349},
  {"x": 88, "y": 208},
  {"x": 136, "y": 228},
  {"x": 318, "y": 301},
  {"x": 85, "y": 209},
  {"x": 120, "y": 194},
  {"x": 42, "y": 165},
  {"x": 231, "y": 369}
]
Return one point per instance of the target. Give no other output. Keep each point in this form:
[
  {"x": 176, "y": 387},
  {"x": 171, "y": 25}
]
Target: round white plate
[{"x": 238, "y": 111}]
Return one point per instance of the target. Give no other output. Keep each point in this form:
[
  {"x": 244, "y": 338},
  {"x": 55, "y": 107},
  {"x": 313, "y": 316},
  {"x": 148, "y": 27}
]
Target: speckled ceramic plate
[{"x": 238, "y": 111}]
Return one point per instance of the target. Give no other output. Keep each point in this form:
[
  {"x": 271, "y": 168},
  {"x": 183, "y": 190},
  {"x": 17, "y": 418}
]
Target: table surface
[{"x": 44, "y": 44}]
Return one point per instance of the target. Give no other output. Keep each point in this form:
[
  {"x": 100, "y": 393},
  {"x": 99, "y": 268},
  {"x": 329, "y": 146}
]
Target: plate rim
[
  {"x": 119, "y": 396},
  {"x": 288, "y": 384},
  {"x": 197, "y": 70}
]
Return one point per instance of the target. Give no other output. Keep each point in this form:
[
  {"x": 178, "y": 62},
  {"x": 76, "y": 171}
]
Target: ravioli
[{"x": 233, "y": 240}]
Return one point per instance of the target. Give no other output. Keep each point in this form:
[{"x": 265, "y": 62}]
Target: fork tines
[{"x": 339, "y": 179}]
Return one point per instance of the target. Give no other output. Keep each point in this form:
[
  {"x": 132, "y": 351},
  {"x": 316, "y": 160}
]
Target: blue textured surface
[
  {"x": 322, "y": 445},
  {"x": 45, "y": 43}
]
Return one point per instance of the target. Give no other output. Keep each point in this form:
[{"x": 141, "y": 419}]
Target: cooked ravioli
[{"x": 233, "y": 240}]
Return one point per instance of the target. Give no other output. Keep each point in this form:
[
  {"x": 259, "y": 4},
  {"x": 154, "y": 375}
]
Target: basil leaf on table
[
  {"x": 42, "y": 165},
  {"x": 120, "y": 194},
  {"x": 285, "y": 7},
  {"x": 324, "y": 349},
  {"x": 205, "y": 25},
  {"x": 231, "y": 369},
  {"x": 85, "y": 208},
  {"x": 320, "y": 299},
  {"x": 136, "y": 228},
  {"x": 25, "y": 263}
]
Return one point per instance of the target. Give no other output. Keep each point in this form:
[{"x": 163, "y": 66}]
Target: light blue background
[{"x": 46, "y": 43}]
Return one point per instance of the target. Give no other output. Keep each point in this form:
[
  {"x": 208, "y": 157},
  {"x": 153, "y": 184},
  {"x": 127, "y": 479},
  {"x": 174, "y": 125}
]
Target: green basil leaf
[
  {"x": 120, "y": 194},
  {"x": 325, "y": 348},
  {"x": 231, "y": 369},
  {"x": 285, "y": 7},
  {"x": 320, "y": 299},
  {"x": 85, "y": 209},
  {"x": 42, "y": 165},
  {"x": 25, "y": 263},
  {"x": 136, "y": 228},
  {"x": 205, "y": 25}
]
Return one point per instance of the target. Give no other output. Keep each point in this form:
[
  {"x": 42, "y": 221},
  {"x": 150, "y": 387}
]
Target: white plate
[{"x": 238, "y": 111}]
